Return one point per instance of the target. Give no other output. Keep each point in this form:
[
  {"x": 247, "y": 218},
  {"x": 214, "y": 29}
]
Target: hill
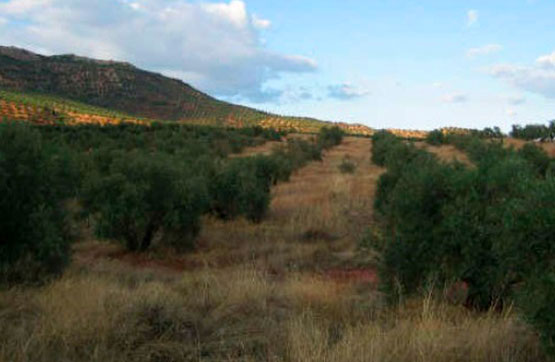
[
  {"x": 113, "y": 85},
  {"x": 76, "y": 89}
]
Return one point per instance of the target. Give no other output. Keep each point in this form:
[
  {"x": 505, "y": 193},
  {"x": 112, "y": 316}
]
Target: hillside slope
[
  {"x": 38, "y": 87},
  {"x": 113, "y": 85}
]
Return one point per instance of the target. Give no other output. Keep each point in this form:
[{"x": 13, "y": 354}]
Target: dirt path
[{"x": 314, "y": 224}]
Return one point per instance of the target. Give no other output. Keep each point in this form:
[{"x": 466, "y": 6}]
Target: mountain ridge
[{"x": 111, "y": 84}]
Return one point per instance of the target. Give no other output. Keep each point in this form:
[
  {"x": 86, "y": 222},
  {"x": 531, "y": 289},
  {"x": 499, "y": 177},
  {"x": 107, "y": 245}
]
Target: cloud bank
[
  {"x": 214, "y": 46},
  {"x": 536, "y": 78}
]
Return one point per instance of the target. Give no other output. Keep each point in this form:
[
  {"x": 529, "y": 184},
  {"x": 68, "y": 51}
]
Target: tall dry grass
[{"x": 244, "y": 314}]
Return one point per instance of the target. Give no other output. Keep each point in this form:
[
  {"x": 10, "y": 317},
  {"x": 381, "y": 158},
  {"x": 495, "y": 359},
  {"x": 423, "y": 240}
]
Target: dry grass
[
  {"x": 265, "y": 292},
  {"x": 446, "y": 153},
  {"x": 517, "y": 143}
]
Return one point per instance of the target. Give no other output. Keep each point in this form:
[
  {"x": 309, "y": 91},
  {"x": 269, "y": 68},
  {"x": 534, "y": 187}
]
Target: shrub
[
  {"x": 436, "y": 138},
  {"x": 382, "y": 143},
  {"x": 537, "y": 157},
  {"x": 300, "y": 152},
  {"x": 536, "y": 302},
  {"x": 142, "y": 195},
  {"x": 347, "y": 166},
  {"x": 413, "y": 209},
  {"x": 485, "y": 226},
  {"x": 241, "y": 187},
  {"x": 330, "y": 136},
  {"x": 34, "y": 243}
]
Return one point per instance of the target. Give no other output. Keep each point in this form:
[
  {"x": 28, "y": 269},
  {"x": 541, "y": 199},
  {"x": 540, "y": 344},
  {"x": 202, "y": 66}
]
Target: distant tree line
[{"x": 534, "y": 131}]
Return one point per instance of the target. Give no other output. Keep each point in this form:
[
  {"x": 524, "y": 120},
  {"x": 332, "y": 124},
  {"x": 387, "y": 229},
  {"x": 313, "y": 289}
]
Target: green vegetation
[
  {"x": 347, "y": 166},
  {"x": 440, "y": 137},
  {"x": 534, "y": 131},
  {"x": 143, "y": 194},
  {"x": 136, "y": 184},
  {"x": 34, "y": 179},
  {"x": 436, "y": 138},
  {"x": 329, "y": 137},
  {"x": 489, "y": 226}
]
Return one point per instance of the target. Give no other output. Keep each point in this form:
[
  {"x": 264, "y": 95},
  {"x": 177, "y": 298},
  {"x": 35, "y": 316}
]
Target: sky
[{"x": 383, "y": 63}]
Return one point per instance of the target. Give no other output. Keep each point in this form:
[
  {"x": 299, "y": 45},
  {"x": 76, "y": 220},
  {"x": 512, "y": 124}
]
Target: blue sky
[{"x": 401, "y": 64}]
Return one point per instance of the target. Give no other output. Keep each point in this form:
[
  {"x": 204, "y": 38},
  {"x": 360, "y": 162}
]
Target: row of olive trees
[
  {"x": 135, "y": 184},
  {"x": 490, "y": 226}
]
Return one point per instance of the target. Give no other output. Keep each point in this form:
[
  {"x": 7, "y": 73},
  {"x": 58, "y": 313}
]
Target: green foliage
[
  {"x": 142, "y": 195},
  {"x": 240, "y": 187},
  {"x": 34, "y": 242},
  {"x": 137, "y": 184},
  {"x": 536, "y": 302},
  {"x": 537, "y": 157},
  {"x": 330, "y": 136},
  {"x": 347, "y": 166},
  {"x": 534, "y": 131},
  {"x": 381, "y": 143},
  {"x": 488, "y": 226},
  {"x": 436, "y": 138}
]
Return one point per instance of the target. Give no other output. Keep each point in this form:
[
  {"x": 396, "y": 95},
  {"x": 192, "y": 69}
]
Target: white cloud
[
  {"x": 455, "y": 98},
  {"x": 536, "y": 78},
  {"x": 472, "y": 17},
  {"x": 484, "y": 50},
  {"x": 438, "y": 85},
  {"x": 346, "y": 91},
  {"x": 21, "y": 7},
  {"x": 214, "y": 46},
  {"x": 547, "y": 61},
  {"x": 260, "y": 23},
  {"x": 511, "y": 112},
  {"x": 235, "y": 12}
]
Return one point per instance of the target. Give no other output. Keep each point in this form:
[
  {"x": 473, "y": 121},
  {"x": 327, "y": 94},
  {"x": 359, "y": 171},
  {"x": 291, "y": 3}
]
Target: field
[{"x": 296, "y": 287}]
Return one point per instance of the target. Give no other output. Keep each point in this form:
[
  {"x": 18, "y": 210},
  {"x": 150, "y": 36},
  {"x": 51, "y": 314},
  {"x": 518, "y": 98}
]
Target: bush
[
  {"x": 436, "y": 138},
  {"x": 536, "y": 302},
  {"x": 485, "y": 226},
  {"x": 537, "y": 157},
  {"x": 413, "y": 210},
  {"x": 381, "y": 144},
  {"x": 347, "y": 166},
  {"x": 330, "y": 136},
  {"x": 241, "y": 187},
  {"x": 142, "y": 195},
  {"x": 34, "y": 242}
]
